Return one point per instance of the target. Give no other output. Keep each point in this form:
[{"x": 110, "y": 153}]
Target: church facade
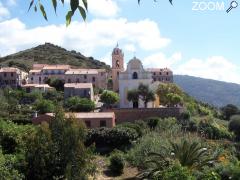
[{"x": 133, "y": 76}]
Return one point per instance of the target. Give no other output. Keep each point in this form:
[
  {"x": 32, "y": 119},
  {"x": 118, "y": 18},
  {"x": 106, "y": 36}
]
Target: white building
[{"x": 131, "y": 79}]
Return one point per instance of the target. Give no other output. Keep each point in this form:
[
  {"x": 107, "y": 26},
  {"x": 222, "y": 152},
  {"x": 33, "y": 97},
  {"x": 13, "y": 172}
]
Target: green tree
[
  {"x": 109, "y": 98},
  {"x": 58, "y": 84},
  {"x": 57, "y": 150},
  {"x": 145, "y": 94},
  {"x": 234, "y": 126},
  {"x": 78, "y": 104},
  {"x": 169, "y": 93},
  {"x": 44, "y": 106},
  {"x": 133, "y": 96},
  {"x": 174, "y": 99},
  {"x": 229, "y": 110}
]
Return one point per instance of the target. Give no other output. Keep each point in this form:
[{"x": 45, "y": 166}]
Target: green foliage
[
  {"x": 229, "y": 171},
  {"x": 143, "y": 92},
  {"x": 7, "y": 170},
  {"x": 139, "y": 128},
  {"x": 57, "y": 150},
  {"x": 116, "y": 162},
  {"x": 234, "y": 126},
  {"x": 113, "y": 138},
  {"x": 109, "y": 98},
  {"x": 77, "y": 104},
  {"x": 55, "y": 96},
  {"x": 44, "y": 106},
  {"x": 210, "y": 131},
  {"x": 153, "y": 122},
  {"x": 58, "y": 84},
  {"x": 169, "y": 94},
  {"x": 74, "y": 4},
  {"x": 229, "y": 110}
]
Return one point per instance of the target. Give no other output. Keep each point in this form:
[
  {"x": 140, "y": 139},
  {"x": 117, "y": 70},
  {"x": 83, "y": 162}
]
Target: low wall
[{"x": 130, "y": 115}]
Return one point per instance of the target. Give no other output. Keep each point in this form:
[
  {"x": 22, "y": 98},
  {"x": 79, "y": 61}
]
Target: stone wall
[{"x": 130, "y": 115}]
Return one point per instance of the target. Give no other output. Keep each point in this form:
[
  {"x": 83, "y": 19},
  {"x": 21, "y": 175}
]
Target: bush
[
  {"x": 112, "y": 138},
  {"x": 213, "y": 132},
  {"x": 229, "y": 110},
  {"x": 234, "y": 126},
  {"x": 109, "y": 98},
  {"x": 77, "y": 104},
  {"x": 116, "y": 163},
  {"x": 230, "y": 171},
  {"x": 153, "y": 122},
  {"x": 44, "y": 106},
  {"x": 136, "y": 126}
]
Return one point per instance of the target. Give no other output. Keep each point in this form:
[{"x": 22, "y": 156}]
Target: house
[
  {"x": 164, "y": 75},
  {"x": 83, "y": 90},
  {"x": 41, "y": 72},
  {"x": 98, "y": 77},
  {"x": 12, "y": 77},
  {"x": 37, "y": 87},
  {"x": 91, "y": 119}
]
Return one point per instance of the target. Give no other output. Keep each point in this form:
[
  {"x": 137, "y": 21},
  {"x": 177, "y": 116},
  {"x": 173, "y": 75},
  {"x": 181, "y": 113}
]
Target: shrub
[
  {"x": 112, "y": 138},
  {"x": 234, "y": 126},
  {"x": 78, "y": 104},
  {"x": 229, "y": 110},
  {"x": 109, "y": 98},
  {"x": 116, "y": 163},
  {"x": 153, "y": 122},
  {"x": 213, "y": 132},
  {"x": 136, "y": 126},
  {"x": 44, "y": 106},
  {"x": 230, "y": 171}
]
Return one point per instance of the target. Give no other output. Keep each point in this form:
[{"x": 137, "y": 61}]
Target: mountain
[
  {"x": 216, "y": 93},
  {"x": 50, "y": 54}
]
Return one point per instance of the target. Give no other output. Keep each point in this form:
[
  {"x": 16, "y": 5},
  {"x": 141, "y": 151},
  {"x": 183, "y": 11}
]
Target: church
[{"x": 135, "y": 74}]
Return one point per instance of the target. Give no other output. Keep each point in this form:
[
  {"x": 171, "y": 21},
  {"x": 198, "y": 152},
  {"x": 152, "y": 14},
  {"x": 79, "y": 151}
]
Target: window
[
  {"x": 5, "y": 74},
  {"x": 117, "y": 74},
  {"x": 69, "y": 80},
  {"x": 40, "y": 79},
  {"x": 88, "y": 124},
  {"x": 103, "y": 123},
  {"x": 93, "y": 79},
  {"x": 117, "y": 64},
  {"x": 11, "y": 74},
  {"x": 160, "y": 73},
  {"x": 154, "y": 79},
  {"x": 167, "y": 73},
  {"x": 85, "y": 76},
  {"x": 154, "y": 74},
  {"x": 135, "y": 75},
  {"x": 31, "y": 78},
  {"x": 85, "y": 92},
  {"x": 78, "y": 81}
]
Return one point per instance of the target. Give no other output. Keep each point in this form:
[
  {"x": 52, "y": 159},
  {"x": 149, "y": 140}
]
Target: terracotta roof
[
  {"x": 39, "y": 66},
  {"x": 82, "y": 71},
  {"x": 58, "y": 67},
  {"x": 78, "y": 85},
  {"x": 9, "y": 69},
  {"x": 37, "y": 85},
  {"x": 35, "y": 71},
  {"x": 89, "y": 115}
]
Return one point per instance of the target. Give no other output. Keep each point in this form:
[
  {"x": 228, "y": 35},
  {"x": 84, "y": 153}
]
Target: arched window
[
  {"x": 117, "y": 64},
  {"x": 135, "y": 75}
]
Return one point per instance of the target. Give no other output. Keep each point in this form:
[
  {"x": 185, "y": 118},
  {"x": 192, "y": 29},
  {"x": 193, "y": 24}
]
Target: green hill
[
  {"x": 50, "y": 54},
  {"x": 216, "y": 93}
]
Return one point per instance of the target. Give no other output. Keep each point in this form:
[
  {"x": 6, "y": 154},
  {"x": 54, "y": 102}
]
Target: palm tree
[
  {"x": 192, "y": 154},
  {"x": 145, "y": 94},
  {"x": 189, "y": 154},
  {"x": 133, "y": 96}
]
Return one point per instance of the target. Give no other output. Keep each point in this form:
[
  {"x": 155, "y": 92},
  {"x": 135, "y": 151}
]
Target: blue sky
[{"x": 202, "y": 43}]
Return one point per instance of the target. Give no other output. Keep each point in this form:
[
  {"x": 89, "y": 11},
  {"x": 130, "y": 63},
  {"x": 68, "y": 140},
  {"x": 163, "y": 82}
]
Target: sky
[{"x": 192, "y": 37}]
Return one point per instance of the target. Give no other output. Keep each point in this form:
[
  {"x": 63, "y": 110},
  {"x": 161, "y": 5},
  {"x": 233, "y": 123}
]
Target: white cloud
[
  {"x": 159, "y": 60},
  {"x": 86, "y": 38},
  {"x": 215, "y": 67},
  {"x": 102, "y": 8},
  {"x": 3, "y": 12}
]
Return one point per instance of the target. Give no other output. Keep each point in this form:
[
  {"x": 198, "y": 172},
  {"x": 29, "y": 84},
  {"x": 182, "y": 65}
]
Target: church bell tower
[{"x": 117, "y": 66}]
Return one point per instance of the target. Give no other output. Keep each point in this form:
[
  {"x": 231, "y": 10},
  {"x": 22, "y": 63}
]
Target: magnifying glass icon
[{"x": 233, "y": 5}]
